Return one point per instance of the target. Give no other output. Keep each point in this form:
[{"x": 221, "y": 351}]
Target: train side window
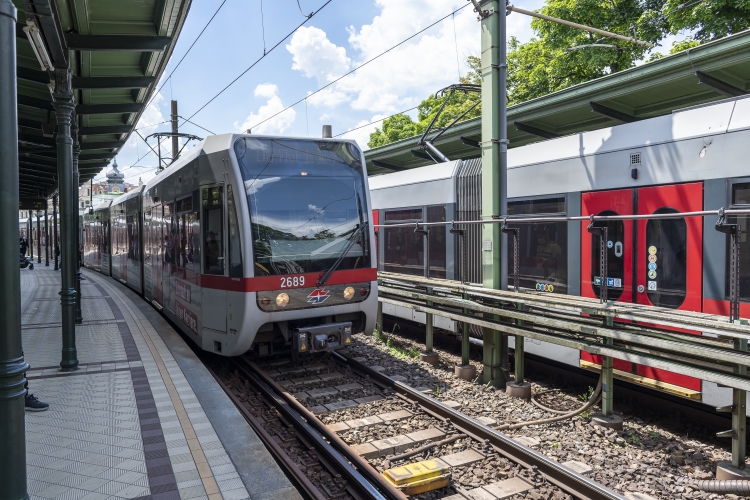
[
  {"x": 132, "y": 236},
  {"x": 741, "y": 199},
  {"x": 666, "y": 265},
  {"x": 213, "y": 230},
  {"x": 615, "y": 258},
  {"x": 235, "y": 249},
  {"x": 404, "y": 250},
  {"x": 543, "y": 246},
  {"x": 437, "y": 241}
]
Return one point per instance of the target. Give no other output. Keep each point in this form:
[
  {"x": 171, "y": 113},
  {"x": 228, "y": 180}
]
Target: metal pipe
[
  {"x": 517, "y": 220},
  {"x": 64, "y": 104},
  {"x": 38, "y": 239},
  {"x": 435, "y": 151},
  {"x": 581, "y": 26},
  {"x": 12, "y": 366},
  {"x": 175, "y": 130}
]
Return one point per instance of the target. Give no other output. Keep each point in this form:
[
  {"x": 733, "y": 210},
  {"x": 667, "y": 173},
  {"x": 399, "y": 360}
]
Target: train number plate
[{"x": 292, "y": 281}]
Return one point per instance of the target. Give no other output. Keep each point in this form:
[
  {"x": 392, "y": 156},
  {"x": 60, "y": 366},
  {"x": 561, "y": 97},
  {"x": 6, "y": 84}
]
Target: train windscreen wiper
[{"x": 350, "y": 242}]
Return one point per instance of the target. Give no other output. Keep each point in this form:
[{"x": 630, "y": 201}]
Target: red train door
[
  {"x": 669, "y": 259},
  {"x": 660, "y": 261}
]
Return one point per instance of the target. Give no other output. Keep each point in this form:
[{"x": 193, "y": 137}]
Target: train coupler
[{"x": 322, "y": 337}]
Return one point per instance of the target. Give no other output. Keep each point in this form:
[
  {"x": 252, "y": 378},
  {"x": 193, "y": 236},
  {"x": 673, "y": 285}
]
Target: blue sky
[{"x": 337, "y": 39}]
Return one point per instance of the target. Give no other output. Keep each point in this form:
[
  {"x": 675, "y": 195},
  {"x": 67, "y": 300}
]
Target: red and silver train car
[
  {"x": 694, "y": 159},
  {"x": 249, "y": 243}
]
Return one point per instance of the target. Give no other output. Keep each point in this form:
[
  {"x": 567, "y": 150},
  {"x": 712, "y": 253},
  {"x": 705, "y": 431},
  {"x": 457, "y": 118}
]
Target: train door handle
[{"x": 641, "y": 288}]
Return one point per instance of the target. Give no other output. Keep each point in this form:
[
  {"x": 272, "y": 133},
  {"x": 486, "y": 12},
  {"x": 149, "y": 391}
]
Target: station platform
[{"x": 141, "y": 417}]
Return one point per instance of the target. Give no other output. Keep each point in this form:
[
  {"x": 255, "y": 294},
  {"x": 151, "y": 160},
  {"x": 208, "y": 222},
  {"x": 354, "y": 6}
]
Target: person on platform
[{"x": 24, "y": 246}]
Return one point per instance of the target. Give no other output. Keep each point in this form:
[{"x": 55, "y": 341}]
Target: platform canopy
[
  {"x": 707, "y": 73},
  {"x": 116, "y": 51}
]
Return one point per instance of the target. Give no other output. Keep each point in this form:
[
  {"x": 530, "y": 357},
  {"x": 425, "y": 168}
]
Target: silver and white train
[
  {"x": 249, "y": 243},
  {"x": 693, "y": 159}
]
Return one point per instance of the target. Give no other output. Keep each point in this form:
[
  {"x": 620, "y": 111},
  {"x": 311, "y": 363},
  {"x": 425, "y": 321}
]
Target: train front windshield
[{"x": 307, "y": 205}]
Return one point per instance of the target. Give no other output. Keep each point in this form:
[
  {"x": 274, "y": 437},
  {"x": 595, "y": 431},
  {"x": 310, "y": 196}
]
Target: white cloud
[
  {"x": 316, "y": 56},
  {"x": 362, "y": 135},
  {"x": 324, "y": 117},
  {"x": 276, "y": 125}
]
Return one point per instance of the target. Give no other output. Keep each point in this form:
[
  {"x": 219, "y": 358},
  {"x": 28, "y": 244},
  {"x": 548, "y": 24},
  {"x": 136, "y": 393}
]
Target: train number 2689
[{"x": 292, "y": 281}]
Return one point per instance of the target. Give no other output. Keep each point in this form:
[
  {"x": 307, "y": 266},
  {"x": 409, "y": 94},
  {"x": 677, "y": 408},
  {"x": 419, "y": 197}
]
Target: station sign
[{"x": 32, "y": 204}]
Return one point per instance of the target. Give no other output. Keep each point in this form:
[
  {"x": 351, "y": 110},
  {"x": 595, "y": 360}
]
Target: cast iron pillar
[
  {"x": 38, "y": 238},
  {"x": 76, "y": 154},
  {"x": 494, "y": 177},
  {"x": 54, "y": 231},
  {"x": 12, "y": 366},
  {"x": 64, "y": 104},
  {"x": 46, "y": 237}
]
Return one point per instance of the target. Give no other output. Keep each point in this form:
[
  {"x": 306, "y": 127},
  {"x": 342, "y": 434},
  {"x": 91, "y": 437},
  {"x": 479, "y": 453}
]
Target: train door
[
  {"x": 157, "y": 253},
  {"x": 652, "y": 262},
  {"x": 148, "y": 266},
  {"x": 169, "y": 225},
  {"x": 213, "y": 284},
  {"x": 669, "y": 259}
]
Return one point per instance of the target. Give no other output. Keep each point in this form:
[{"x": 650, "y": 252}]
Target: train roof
[
  {"x": 127, "y": 196},
  {"x": 103, "y": 205},
  {"x": 414, "y": 176}
]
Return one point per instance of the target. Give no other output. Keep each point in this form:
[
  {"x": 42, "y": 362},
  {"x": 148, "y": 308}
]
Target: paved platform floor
[{"x": 141, "y": 418}]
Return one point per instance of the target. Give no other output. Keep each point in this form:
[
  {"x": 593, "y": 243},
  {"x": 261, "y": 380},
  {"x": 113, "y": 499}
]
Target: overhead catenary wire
[
  {"x": 265, "y": 53},
  {"x": 376, "y": 121},
  {"x": 361, "y": 66},
  {"x": 186, "y": 53}
]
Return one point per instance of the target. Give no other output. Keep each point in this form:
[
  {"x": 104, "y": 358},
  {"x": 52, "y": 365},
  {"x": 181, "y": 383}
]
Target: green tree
[
  {"x": 710, "y": 19},
  {"x": 560, "y": 56},
  {"x": 402, "y": 126}
]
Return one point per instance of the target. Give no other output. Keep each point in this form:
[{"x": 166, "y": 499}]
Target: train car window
[
  {"x": 615, "y": 258},
  {"x": 170, "y": 239},
  {"x": 404, "y": 250},
  {"x": 741, "y": 199},
  {"x": 213, "y": 230},
  {"x": 307, "y": 203},
  {"x": 235, "y": 249},
  {"x": 147, "y": 236},
  {"x": 543, "y": 246},
  {"x": 132, "y": 237},
  {"x": 666, "y": 264},
  {"x": 437, "y": 241}
]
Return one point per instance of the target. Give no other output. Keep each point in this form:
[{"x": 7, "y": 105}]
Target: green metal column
[
  {"x": 12, "y": 366},
  {"x": 46, "y": 237},
  {"x": 608, "y": 381},
  {"x": 54, "y": 230},
  {"x": 76, "y": 154},
  {"x": 465, "y": 344},
  {"x": 519, "y": 347},
  {"x": 739, "y": 414},
  {"x": 430, "y": 334},
  {"x": 38, "y": 239},
  {"x": 379, "y": 321},
  {"x": 494, "y": 176},
  {"x": 64, "y": 104}
]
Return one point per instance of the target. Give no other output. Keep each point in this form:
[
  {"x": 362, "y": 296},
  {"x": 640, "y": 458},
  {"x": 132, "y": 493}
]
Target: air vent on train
[{"x": 635, "y": 162}]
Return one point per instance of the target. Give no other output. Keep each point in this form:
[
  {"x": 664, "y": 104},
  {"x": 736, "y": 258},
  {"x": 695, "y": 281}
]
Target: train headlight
[
  {"x": 282, "y": 299},
  {"x": 348, "y": 293}
]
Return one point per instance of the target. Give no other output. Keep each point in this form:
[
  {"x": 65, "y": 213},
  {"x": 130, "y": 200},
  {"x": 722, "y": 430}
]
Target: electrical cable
[
  {"x": 300, "y": 11},
  {"x": 263, "y": 26},
  {"x": 185, "y": 55},
  {"x": 362, "y": 65},
  {"x": 455, "y": 42},
  {"x": 376, "y": 121},
  {"x": 202, "y": 128},
  {"x": 260, "y": 59}
]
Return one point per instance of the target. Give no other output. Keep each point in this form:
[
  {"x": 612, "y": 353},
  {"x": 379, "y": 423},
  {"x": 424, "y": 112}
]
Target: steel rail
[
  {"x": 596, "y": 348},
  {"x": 557, "y": 474},
  {"x": 298, "y": 476},
  {"x": 510, "y": 219},
  {"x": 304, "y": 424},
  {"x": 681, "y": 345},
  {"x": 364, "y": 475},
  {"x": 707, "y": 323}
]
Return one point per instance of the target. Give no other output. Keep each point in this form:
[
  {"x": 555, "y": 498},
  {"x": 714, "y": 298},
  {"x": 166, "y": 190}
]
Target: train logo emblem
[
  {"x": 652, "y": 258},
  {"x": 652, "y": 275},
  {"x": 652, "y": 266},
  {"x": 652, "y": 250},
  {"x": 318, "y": 296}
]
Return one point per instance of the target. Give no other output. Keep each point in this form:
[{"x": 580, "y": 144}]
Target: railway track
[{"x": 285, "y": 404}]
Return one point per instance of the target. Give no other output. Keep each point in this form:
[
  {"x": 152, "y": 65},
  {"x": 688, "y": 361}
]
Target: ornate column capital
[{"x": 63, "y": 99}]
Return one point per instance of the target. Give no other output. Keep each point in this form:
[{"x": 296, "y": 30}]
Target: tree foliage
[
  {"x": 559, "y": 56},
  {"x": 402, "y": 126}
]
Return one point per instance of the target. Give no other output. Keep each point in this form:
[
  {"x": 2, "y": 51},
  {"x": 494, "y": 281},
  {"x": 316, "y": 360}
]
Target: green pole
[
  {"x": 519, "y": 352},
  {"x": 430, "y": 334},
  {"x": 46, "y": 237},
  {"x": 739, "y": 414},
  {"x": 465, "y": 344},
  {"x": 38, "y": 239},
  {"x": 54, "y": 230},
  {"x": 608, "y": 380},
  {"x": 64, "y": 104},
  {"x": 12, "y": 366},
  {"x": 76, "y": 154},
  {"x": 494, "y": 176}
]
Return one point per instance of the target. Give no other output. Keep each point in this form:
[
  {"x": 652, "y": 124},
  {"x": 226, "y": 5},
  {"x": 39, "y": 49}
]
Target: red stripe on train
[{"x": 264, "y": 283}]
